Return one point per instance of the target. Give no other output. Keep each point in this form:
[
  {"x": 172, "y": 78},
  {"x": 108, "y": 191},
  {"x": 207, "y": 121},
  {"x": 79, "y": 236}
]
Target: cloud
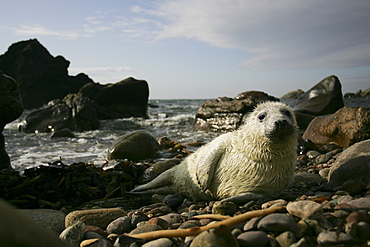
[
  {"x": 36, "y": 30},
  {"x": 274, "y": 34}
]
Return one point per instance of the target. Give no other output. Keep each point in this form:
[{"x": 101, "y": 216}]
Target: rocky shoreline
[{"x": 327, "y": 204}]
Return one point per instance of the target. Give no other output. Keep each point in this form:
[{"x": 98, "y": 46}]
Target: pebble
[
  {"x": 326, "y": 238},
  {"x": 173, "y": 201},
  {"x": 145, "y": 228},
  {"x": 286, "y": 239},
  {"x": 224, "y": 208},
  {"x": 119, "y": 225},
  {"x": 305, "y": 209},
  {"x": 96, "y": 217},
  {"x": 277, "y": 223},
  {"x": 172, "y": 218},
  {"x": 253, "y": 238},
  {"x": 220, "y": 236},
  {"x": 162, "y": 242},
  {"x": 73, "y": 234}
]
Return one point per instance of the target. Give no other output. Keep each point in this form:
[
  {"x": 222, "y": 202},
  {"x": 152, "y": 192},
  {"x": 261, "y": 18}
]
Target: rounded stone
[
  {"x": 73, "y": 234},
  {"x": 305, "y": 209},
  {"x": 220, "y": 236},
  {"x": 277, "y": 222},
  {"x": 146, "y": 228},
  {"x": 327, "y": 238},
  {"x": 135, "y": 146},
  {"x": 48, "y": 218},
  {"x": 95, "y": 217},
  {"x": 286, "y": 239},
  {"x": 163, "y": 242},
  {"x": 119, "y": 225},
  {"x": 253, "y": 238},
  {"x": 172, "y": 218}
]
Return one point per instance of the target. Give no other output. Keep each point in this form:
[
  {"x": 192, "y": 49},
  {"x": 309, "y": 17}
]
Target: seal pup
[{"x": 255, "y": 162}]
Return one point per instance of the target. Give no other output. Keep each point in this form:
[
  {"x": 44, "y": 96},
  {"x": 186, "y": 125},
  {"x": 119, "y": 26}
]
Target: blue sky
[{"x": 201, "y": 49}]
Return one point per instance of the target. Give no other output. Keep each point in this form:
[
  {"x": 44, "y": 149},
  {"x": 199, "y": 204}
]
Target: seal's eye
[
  {"x": 286, "y": 112},
  {"x": 261, "y": 116}
]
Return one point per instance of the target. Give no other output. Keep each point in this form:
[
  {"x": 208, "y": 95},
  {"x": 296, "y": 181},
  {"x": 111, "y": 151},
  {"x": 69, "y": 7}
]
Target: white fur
[{"x": 243, "y": 161}]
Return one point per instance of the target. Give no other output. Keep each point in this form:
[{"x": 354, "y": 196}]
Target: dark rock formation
[
  {"x": 40, "y": 76},
  {"x": 134, "y": 146},
  {"x": 75, "y": 112},
  {"x": 127, "y": 98},
  {"x": 358, "y": 94},
  {"x": 323, "y": 98},
  {"x": 293, "y": 94},
  {"x": 10, "y": 109},
  {"x": 345, "y": 127},
  {"x": 226, "y": 114}
]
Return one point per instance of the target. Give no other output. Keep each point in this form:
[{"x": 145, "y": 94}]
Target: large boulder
[
  {"x": 10, "y": 109},
  {"x": 75, "y": 112},
  {"x": 127, "y": 98},
  {"x": 134, "y": 146},
  {"x": 345, "y": 127},
  {"x": 323, "y": 98},
  {"x": 226, "y": 114},
  {"x": 352, "y": 164},
  {"x": 40, "y": 76}
]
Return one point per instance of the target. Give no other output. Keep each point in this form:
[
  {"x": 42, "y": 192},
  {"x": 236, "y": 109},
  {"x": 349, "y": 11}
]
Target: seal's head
[{"x": 275, "y": 121}]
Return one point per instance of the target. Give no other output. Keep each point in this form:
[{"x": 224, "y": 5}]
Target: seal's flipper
[
  {"x": 207, "y": 163},
  {"x": 162, "y": 180},
  {"x": 160, "y": 190}
]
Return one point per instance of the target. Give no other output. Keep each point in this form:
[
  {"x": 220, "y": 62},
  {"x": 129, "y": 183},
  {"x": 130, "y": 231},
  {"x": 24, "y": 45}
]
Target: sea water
[{"x": 170, "y": 118}]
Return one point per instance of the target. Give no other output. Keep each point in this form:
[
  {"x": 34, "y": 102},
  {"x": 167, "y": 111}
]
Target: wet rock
[
  {"x": 63, "y": 133},
  {"x": 305, "y": 179},
  {"x": 173, "y": 201},
  {"x": 215, "y": 115},
  {"x": 163, "y": 242},
  {"x": 10, "y": 109},
  {"x": 224, "y": 208},
  {"x": 97, "y": 230},
  {"x": 74, "y": 112},
  {"x": 138, "y": 217},
  {"x": 135, "y": 146},
  {"x": 156, "y": 209},
  {"x": 253, "y": 238},
  {"x": 352, "y": 164},
  {"x": 119, "y": 225},
  {"x": 345, "y": 127},
  {"x": 277, "y": 222},
  {"x": 96, "y": 217},
  {"x": 285, "y": 239},
  {"x": 323, "y": 98},
  {"x": 305, "y": 209},
  {"x": 220, "y": 236},
  {"x": 145, "y": 228},
  {"x": 327, "y": 238},
  {"x": 123, "y": 99},
  {"x": 172, "y": 218},
  {"x": 48, "y": 218},
  {"x": 73, "y": 234}
]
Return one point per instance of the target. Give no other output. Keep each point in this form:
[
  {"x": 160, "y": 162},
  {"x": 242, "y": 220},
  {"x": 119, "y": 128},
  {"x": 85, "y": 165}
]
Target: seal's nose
[{"x": 281, "y": 124}]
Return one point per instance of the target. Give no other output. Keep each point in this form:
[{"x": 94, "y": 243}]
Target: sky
[{"x": 187, "y": 49}]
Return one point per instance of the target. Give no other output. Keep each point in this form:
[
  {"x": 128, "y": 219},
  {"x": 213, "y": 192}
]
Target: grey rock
[
  {"x": 224, "y": 208},
  {"x": 220, "y": 236},
  {"x": 277, "y": 222},
  {"x": 253, "y": 238},
  {"x": 252, "y": 224},
  {"x": 326, "y": 238},
  {"x": 285, "y": 239},
  {"x": 163, "y": 242},
  {"x": 363, "y": 202},
  {"x": 352, "y": 164},
  {"x": 48, "y": 218},
  {"x": 146, "y": 228},
  {"x": 135, "y": 146},
  {"x": 172, "y": 218},
  {"x": 119, "y": 225},
  {"x": 305, "y": 209},
  {"x": 73, "y": 234}
]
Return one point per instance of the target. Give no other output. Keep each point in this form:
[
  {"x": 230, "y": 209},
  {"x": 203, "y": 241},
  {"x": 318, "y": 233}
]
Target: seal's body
[{"x": 254, "y": 162}]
